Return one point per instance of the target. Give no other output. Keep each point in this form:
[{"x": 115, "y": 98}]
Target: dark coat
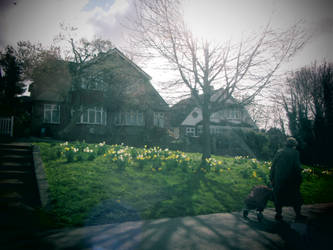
[{"x": 286, "y": 177}]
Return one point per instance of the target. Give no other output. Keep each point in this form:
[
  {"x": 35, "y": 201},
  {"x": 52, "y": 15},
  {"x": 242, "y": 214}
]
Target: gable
[
  {"x": 117, "y": 63},
  {"x": 186, "y": 113},
  {"x": 133, "y": 83},
  {"x": 129, "y": 84},
  {"x": 193, "y": 118}
]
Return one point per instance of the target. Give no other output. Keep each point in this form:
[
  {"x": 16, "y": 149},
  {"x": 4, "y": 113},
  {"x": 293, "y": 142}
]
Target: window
[
  {"x": 234, "y": 114},
  {"x": 190, "y": 131},
  {"x": 52, "y": 113},
  {"x": 159, "y": 119},
  {"x": 93, "y": 82},
  {"x": 130, "y": 118},
  {"x": 93, "y": 115},
  {"x": 195, "y": 114}
]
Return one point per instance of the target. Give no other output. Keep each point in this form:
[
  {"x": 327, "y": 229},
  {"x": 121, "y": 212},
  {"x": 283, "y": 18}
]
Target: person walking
[{"x": 286, "y": 178}]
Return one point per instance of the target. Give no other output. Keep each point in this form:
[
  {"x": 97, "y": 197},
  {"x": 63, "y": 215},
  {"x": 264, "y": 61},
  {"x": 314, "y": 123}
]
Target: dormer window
[{"x": 93, "y": 82}]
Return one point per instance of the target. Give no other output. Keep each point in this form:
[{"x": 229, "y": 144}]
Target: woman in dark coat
[{"x": 286, "y": 179}]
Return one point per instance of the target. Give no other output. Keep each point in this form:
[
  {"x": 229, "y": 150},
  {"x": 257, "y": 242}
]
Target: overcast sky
[{"x": 38, "y": 20}]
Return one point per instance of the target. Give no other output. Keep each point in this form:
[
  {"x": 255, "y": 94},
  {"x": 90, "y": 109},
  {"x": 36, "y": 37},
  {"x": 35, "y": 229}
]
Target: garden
[{"x": 98, "y": 183}]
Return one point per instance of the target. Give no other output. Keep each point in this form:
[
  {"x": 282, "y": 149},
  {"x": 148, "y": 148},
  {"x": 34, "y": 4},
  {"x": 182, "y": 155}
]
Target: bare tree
[
  {"x": 268, "y": 115},
  {"x": 31, "y": 55},
  {"x": 243, "y": 69},
  {"x": 308, "y": 103}
]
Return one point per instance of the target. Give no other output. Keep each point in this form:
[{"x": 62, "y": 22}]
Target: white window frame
[
  {"x": 90, "y": 115},
  {"x": 129, "y": 118},
  {"x": 159, "y": 119},
  {"x": 51, "y": 109},
  {"x": 190, "y": 131}
]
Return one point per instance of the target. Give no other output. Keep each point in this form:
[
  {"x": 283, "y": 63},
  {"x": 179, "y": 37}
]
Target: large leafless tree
[{"x": 240, "y": 69}]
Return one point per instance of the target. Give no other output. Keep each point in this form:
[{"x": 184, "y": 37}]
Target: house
[
  {"x": 108, "y": 98},
  {"x": 225, "y": 122}
]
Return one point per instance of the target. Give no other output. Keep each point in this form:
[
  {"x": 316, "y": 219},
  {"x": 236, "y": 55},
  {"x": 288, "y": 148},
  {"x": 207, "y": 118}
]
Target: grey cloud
[
  {"x": 5, "y": 4},
  {"x": 326, "y": 25},
  {"x": 114, "y": 32}
]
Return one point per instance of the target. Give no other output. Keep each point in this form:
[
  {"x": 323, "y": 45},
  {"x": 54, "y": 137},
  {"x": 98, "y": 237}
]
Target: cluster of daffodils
[
  {"x": 316, "y": 172},
  {"x": 254, "y": 160},
  {"x": 327, "y": 172},
  {"x": 74, "y": 149},
  {"x": 158, "y": 158},
  {"x": 240, "y": 159},
  {"x": 79, "y": 151},
  {"x": 121, "y": 155},
  {"x": 88, "y": 150},
  {"x": 101, "y": 144},
  {"x": 307, "y": 170},
  {"x": 215, "y": 166},
  {"x": 267, "y": 164}
]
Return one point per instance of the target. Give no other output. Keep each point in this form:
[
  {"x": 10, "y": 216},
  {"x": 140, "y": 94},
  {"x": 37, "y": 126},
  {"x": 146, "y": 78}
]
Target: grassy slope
[{"x": 95, "y": 192}]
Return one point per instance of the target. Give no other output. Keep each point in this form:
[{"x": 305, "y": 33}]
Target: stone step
[
  {"x": 18, "y": 186},
  {"x": 12, "y": 164},
  {"x": 13, "y": 190},
  {"x": 13, "y": 173},
  {"x": 11, "y": 182},
  {"x": 12, "y": 185},
  {"x": 8, "y": 151},
  {"x": 15, "y": 158},
  {"x": 20, "y": 146},
  {"x": 10, "y": 197}
]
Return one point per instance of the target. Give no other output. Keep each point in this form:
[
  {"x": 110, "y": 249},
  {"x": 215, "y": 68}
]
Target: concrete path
[{"x": 215, "y": 231}]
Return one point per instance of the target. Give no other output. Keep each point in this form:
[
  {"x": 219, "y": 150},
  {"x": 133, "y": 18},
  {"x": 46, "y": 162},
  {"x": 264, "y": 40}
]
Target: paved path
[{"x": 215, "y": 231}]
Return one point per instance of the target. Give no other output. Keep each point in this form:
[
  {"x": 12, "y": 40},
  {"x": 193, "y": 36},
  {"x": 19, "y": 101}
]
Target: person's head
[{"x": 291, "y": 142}]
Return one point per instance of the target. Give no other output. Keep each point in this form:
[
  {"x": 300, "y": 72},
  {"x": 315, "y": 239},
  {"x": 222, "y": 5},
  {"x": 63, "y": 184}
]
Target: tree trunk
[{"x": 206, "y": 130}]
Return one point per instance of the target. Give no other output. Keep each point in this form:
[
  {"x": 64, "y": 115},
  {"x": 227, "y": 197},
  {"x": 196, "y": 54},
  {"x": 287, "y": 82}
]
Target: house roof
[
  {"x": 183, "y": 108},
  {"x": 187, "y": 113},
  {"x": 105, "y": 61},
  {"x": 159, "y": 102},
  {"x": 115, "y": 50},
  {"x": 111, "y": 52},
  {"x": 49, "y": 95}
]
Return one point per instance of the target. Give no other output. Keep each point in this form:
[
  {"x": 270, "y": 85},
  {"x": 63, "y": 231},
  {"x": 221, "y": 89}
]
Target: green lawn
[{"x": 95, "y": 184}]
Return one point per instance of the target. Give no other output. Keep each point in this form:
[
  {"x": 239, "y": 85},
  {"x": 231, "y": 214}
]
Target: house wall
[
  {"x": 87, "y": 97},
  {"x": 130, "y": 89},
  {"x": 38, "y": 127},
  {"x": 229, "y": 142},
  {"x": 130, "y": 135}
]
